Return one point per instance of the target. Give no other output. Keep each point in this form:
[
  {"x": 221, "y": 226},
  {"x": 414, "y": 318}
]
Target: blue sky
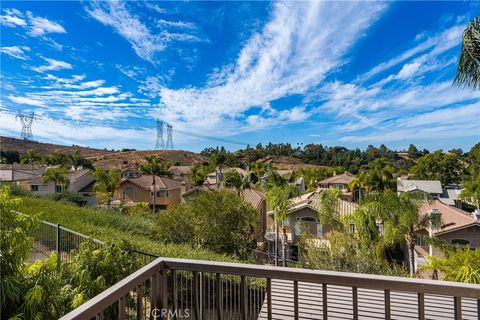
[{"x": 336, "y": 73}]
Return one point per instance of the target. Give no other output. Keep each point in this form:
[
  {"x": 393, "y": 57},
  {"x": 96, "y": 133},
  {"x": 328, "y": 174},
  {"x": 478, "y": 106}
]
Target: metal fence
[{"x": 50, "y": 237}]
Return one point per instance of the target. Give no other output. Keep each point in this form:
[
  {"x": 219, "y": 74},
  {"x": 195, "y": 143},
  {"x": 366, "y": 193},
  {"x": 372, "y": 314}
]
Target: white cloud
[
  {"x": 294, "y": 52},
  {"x": 39, "y": 26},
  {"x": 17, "y": 52},
  {"x": 116, "y": 15},
  {"x": 145, "y": 42},
  {"x": 53, "y": 65},
  {"x": 176, "y": 24},
  {"x": 36, "y": 26},
  {"x": 12, "y": 18},
  {"x": 437, "y": 44},
  {"x": 27, "y": 101}
]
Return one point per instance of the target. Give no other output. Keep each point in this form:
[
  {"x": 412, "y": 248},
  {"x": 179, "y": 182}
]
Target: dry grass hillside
[
  {"x": 22, "y": 146},
  {"x": 122, "y": 159}
]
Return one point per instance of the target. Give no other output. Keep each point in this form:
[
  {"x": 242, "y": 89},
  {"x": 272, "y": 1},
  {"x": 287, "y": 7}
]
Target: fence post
[{"x": 57, "y": 245}]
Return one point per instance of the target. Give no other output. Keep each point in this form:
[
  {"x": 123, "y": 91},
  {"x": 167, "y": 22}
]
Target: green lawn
[{"x": 107, "y": 226}]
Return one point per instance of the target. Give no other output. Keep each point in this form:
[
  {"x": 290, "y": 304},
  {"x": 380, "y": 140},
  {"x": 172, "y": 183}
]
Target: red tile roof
[{"x": 452, "y": 218}]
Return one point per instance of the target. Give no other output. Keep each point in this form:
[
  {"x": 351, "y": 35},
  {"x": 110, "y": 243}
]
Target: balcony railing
[{"x": 190, "y": 289}]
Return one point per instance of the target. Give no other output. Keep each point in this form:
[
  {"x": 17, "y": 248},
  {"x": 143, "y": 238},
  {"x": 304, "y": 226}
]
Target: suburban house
[
  {"x": 161, "y": 191},
  {"x": 288, "y": 175},
  {"x": 181, "y": 173},
  {"x": 77, "y": 181},
  {"x": 303, "y": 217},
  {"x": 253, "y": 196},
  {"x": 339, "y": 182},
  {"x": 432, "y": 187},
  {"x": 20, "y": 173},
  {"x": 216, "y": 177}
]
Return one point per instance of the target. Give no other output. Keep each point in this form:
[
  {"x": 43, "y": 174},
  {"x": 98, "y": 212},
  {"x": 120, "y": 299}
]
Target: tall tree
[
  {"x": 106, "y": 183},
  {"x": 59, "y": 176},
  {"x": 76, "y": 159},
  {"x": 155, "y": 166},
  {"x": 30, "y": 157},
  {"x": 400, "y": 217},
  {"x": 438, "y": 166},
  {"x": 278, "y": 197},
  {"x": 468, "y": 73}
]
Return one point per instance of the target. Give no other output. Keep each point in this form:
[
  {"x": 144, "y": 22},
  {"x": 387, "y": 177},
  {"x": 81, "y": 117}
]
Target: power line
[{"x": 160, "y": 143}]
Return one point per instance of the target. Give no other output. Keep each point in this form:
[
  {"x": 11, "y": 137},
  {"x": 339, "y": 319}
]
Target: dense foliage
[
  {"x": 441, "y": 166},
  {"x": 106, "y": 225},
  {"x": 459, "y": 264},
  {"x": 218, "y": 221}
]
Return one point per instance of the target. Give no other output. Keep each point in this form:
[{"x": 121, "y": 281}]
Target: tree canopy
[{"x": 218, "y": 221}]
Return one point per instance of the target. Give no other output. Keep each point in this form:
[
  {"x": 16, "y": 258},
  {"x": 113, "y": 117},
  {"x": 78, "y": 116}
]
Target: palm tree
[
  {"x": 378, "y": 176},
  {"x": 399, "y": 215},
  {"x": 278, "y": 197},
  {"x": 468, "y": 73},
  {"x": 58, "y": 176},
  {"x": 155, "y": 167},
  {"x": 471, "y": 189},
  {"x": 76, "y": 159},
  {"x": 31, "y": 157},
  {"x": 106, "y": 182},
  {"x": 358, "y": 184}
]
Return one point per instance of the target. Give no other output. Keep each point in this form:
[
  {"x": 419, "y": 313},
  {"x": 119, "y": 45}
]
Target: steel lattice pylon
[
  {"x": 160, "y": 144},
  {"x": 169, "y": 137},
  {"x": 26, "y": 120}
]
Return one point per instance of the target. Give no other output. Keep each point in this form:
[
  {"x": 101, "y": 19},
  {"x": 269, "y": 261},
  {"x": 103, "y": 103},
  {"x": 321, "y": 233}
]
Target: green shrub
[{"x": 214, "y": 220}]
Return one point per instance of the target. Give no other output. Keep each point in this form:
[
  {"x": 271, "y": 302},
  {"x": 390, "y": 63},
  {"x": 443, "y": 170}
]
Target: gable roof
[
  {"x": 312, "y": 200},
  {"x": 429, "y": 186},
  {"x": 452, "y": 218},
  {"x": 146, "y": 181},
  {"x": 74, "y": 175},
  {"x": 343, "y": 178}
]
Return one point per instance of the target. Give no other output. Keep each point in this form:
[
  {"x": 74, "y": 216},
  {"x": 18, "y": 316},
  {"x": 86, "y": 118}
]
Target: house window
[
  {"x": 308, "y": 219},
  {"x": 58, "y": 188},
  {"x": 319, "y": 230},
  {"x": 460, "y": 242},
  {"x": 286, "y": 222},
  {"x": 34, "y": 187}
]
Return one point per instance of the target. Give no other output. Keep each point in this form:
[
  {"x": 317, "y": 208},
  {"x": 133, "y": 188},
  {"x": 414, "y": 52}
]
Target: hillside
[
  {"x": 22, "y": 146},
  {"x": 119, "y": 159}
]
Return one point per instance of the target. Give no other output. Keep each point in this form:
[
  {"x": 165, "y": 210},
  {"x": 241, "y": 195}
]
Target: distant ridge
[
  {"x": 102, "y": 157},
  {"x": 22, "y": 146}
]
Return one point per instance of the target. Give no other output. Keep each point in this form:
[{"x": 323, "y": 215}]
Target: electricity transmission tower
[
  {"x": 26, "y": 119},
  {"x": 160, "y": 144},
  {"x": 169, "y": 137}
]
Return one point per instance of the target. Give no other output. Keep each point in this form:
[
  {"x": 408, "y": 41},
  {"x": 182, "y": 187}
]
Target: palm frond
[{"x": 468, "y": 73}]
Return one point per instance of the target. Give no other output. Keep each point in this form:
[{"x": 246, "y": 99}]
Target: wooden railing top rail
[
  {"x": 367, "y": 281},
  {"x": 359, "y": 280}
]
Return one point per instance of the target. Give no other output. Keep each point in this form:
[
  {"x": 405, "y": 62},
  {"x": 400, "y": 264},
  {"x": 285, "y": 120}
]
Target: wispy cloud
[
  {"x": 176, "y": 24},
  {"x": 293, "y": 53},
  {"x": 17, "y": 52},
  {"x": 116, "y": 15},
  {"x": 53, "y": 65},
  {"x": 145, "y": 42},
  {"x": 36, "y": 26},
  {"x": 27, "y": 101}
]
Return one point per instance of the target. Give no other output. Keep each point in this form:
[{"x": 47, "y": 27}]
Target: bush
[
  {"x": 69, "y": 197},
  {"x": 217, "y": 221},
  {"x": 141, "y": 209},
  {"x": 141, "y": 232}
]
